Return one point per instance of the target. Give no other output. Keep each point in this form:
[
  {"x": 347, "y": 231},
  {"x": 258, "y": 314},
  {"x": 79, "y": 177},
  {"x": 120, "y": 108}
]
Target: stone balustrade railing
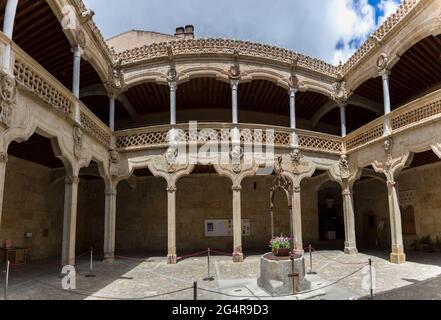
[
  {"x": 34, "y": 78},
  {"x": 413, "y": 114},
  {"x": 157, "y": 137},
  {"x": 31, "y": 76}
]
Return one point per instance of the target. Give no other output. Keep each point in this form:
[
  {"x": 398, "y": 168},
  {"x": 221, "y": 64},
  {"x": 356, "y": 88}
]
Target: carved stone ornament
[
  {"x": 113, "y": 163},
  {"x": 236, "y": 155},
  {"x": 281, "y": 182},
  {"x": 172, "y": 75},
  {"x": 170, "y": 157},
  {"x": 86, "y": 16},
  {"x": 382, "y": 62},
  {"x": 344, "y": 167},
  {"x": 172, "y": 189},
  {"x": 234, "y": 71},
  {"x": 8, "y": 96},
  {"x": 81, "y": 38},
  {"x": 3, "y": 157},
  {"x": 294, "y": 82},
  {"x": 296, "y": 156},
  {"x": 340, "y": 93},
  {"x": 116, "y": 76},
  {"x": 78, "y": 142}
]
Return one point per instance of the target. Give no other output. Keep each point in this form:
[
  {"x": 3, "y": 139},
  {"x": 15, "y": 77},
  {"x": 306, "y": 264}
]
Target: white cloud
[
  {"x": 313, "y": 27},
  {"x": 387, "y": 7}
]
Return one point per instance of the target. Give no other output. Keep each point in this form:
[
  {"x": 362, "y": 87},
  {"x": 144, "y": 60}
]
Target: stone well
[{"x": 274, "y": 274}]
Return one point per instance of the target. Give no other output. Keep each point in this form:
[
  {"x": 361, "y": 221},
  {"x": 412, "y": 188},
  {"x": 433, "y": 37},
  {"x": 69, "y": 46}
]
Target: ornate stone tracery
[
  {"x": 340, "y": 93},
  {"x": 8, "y": 97},
  {"x": 78, "y": 142}
]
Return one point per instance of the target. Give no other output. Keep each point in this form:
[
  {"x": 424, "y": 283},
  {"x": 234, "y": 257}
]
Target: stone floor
[{"x": 338, "y": 277}]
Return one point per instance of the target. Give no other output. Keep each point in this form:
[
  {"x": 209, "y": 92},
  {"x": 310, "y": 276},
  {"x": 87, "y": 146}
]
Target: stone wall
[
  {"x": 424, "y": 183},
  {"x": 32, "y": 204},
  {"x": 142, "y": 213}
]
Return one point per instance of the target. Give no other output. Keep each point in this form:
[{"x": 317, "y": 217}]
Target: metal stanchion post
[
  {"x": 195, "y": 291},
  {"x": 209, "y": 276},
  {"x": 7, "y": 279},
  {"x": 372, "y": 279},
  {"x": 91, "y": 275}
]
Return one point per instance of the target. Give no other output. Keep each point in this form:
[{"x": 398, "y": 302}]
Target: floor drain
[
  {"x": 238, "y": 290},
  {"x": 126, "y": 278}
]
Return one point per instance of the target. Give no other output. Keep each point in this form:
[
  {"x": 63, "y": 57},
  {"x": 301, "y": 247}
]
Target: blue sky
[{"x": 328, "y": 29}]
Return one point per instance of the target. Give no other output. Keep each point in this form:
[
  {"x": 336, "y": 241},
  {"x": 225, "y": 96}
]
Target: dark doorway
[{"x": 331, "y": 218}]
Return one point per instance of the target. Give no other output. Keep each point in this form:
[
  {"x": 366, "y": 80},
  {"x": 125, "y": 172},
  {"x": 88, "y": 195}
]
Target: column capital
[
  {"x": 173, "y": 85},
  {"x": 77, "y": 50},
  {"x": 234, "y": 84},
  {"x": 236, "y": 188},
  {"x": 3, "y": 157},
  {"x": 72, "y": 180},
  {"x": 111, "y": 192},
  {"x": 385, "y": 73},
  {"x": 346, "y": 192},
  {"x": 172, "y": 189},
  {"x": 292, "y": 91}
]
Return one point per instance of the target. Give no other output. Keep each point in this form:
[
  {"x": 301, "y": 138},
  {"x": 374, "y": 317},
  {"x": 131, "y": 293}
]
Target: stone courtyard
[{"x": 152, "y": 278}]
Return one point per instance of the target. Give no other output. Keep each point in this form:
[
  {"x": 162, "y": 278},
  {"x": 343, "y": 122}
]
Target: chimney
[
  {"x": 180, "y": 33},
  {"x": 189, "y": 32}
]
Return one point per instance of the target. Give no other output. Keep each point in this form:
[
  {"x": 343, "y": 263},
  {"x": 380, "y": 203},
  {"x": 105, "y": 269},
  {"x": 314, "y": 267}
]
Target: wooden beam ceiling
[
  {"x": 417, "y": 72},
  {"x": 37, "y": 149}
]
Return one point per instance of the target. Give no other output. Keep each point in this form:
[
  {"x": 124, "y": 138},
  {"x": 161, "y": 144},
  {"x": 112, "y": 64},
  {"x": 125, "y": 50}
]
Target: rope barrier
[
  {"x": 92, "y": 295},
  {"x": 289, "y": 295},
  {"x": 192, "y": 255},
  {"x": 222, "y": 253},
  {"x": 335, "y": 260}
]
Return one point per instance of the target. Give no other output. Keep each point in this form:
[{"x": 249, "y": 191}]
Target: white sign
[{"x": 224, "y": 228}]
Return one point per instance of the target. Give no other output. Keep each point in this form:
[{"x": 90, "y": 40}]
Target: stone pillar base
[
  {"x": 237, "y": 257},
  {"x": 172, "y": 259},
  {"x": 109, "y": 259},
  {"x": 397, "y": 258},
  {"x": 351, "y": 251},
  {"x": 299, "y": 252}
]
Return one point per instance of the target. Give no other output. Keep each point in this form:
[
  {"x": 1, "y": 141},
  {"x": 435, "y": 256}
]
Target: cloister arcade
[{"x": 360, "y": 142}]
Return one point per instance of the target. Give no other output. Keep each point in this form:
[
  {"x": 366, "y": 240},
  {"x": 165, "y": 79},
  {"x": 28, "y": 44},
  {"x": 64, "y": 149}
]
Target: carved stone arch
[
  {"x": 236, "y": 177},
  {"x": 437, "y": 149},
  {"x": 262, "y": 74},
  {"x": 146, "y": 76},
  {"x": 316, "y": 86},
  {"x": 159, "y": 167},
  {"x": 22, "y": 134},
  {"x": 190, "y": 73},
  {"x": 431, "y": 27},
  {"x": 90, "y": 54}
]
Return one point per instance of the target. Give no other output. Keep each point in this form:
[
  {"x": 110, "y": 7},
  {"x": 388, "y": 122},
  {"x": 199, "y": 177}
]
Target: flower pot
[{"x": 282, "y": 252}]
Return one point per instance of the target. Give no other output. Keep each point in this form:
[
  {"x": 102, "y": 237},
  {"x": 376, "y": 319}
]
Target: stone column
[
  {"x": 70, "y": 220},
  {"x": 235, "y": 112},
  {"x": 77, "y": 52},
  {"x": 292, "y": 111},
  {"x": 112, "y": 112},
  {"x": 171, "y": 225},
  {"x": 173, "y": 88},
  {"x": 3, "y": 163},
  {"x": 109, "y": 224},
  {"x": 397, "y": 256},
  {"x": 237, "y": 225},
  {"x": 386, "y": 96},
  {"x": 297, "y": 221},
  {"x": 8, "y": 29},
  {"x": 348, "y": 211},
  {"x": 343, "y": 119}
]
